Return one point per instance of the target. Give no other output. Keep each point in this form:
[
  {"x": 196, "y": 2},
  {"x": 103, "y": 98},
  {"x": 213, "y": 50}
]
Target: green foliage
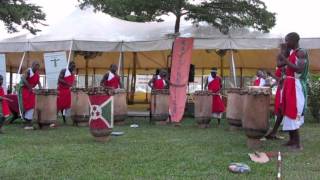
[
  {"x": 16, "y": 13},
  {"x": 220, "y": 13},
  {"x": 314, "y": 96}
]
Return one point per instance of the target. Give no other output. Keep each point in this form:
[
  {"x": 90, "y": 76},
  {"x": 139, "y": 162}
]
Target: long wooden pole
[
  {"x": 10, "y": 84},
  {"x": 86, "y": 76}
]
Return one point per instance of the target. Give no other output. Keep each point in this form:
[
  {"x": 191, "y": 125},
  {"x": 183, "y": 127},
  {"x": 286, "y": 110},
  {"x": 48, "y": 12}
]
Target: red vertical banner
[{"x": 181, "y": 60}]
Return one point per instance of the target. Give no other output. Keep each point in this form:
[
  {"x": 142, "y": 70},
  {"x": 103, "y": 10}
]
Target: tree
[
  {"x": 16, "y": 13},
  {"x": 222, "y": 14}
]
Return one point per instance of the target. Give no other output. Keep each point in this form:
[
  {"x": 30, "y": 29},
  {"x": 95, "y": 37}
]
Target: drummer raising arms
[
  {"x": 294, "y": 93},
  {"x": 158, "y": 82},
  {"x": 5, "y": 112},
  {"x": 30, "y": 79},
  {"x": 65, "y": 82},
  {"x": 214, "y": 84},
  {"x": 111, "y": 78}
]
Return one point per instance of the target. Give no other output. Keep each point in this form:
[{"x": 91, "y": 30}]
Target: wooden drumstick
[
  {"x": 7, "y": 99},
  {"x": 279, "y": 166}
]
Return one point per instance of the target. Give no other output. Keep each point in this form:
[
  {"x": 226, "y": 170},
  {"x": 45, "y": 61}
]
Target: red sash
[
  {"x": 289, "y": 98},
  {"x": 4, "y": 104},
  {"x": 113, "y": 83},
  {"x": 158, "y": 83},
  {"x": 28, "y": 97},
  {"x": 217, "y": 103},
  {"x": 64, "y": 96}
]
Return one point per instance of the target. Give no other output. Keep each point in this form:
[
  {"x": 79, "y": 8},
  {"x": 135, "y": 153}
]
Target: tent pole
[
  {"x": 94, "y": 78},
  {"x": 86, "y": 76},
  {"x": 122, "y": 66},
  {"x": 221, "y": 71},
  {"x": 128, "y": 82},
  {"x": 233, "y": 69},
  {"x": 10, "y": 84},
  {"x": 134, "y": 76},
  {"x": 202, "y": 73},
  {"x": 241, "y": 77}
]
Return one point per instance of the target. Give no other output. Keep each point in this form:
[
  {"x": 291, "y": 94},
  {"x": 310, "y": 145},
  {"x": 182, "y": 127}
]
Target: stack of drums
[
  {"x": 100, "y": 123},
  {"x": 255, "y": 121},
  {"x": 160, "y": 106},
  {"x": 80, "y": 108},
  {"x": 235, "y": 108},
  {"x": 45, "y": 112},
  {"x": 202, "y": 108},
  {"x": 120, "y": 103}
]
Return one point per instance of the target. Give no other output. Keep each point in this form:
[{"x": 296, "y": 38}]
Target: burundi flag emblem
[{"x": 101, "y": 112}]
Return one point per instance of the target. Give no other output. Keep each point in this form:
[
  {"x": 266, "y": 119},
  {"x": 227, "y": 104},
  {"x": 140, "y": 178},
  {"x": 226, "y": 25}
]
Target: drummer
[
  {"x": 111, "y": 79},
  {"x": 278, "y": 76},
  {"x": 158, "y": 82},
  {"x": 214, "y": 84},
  {"x": 65, "y": 82},
  {"x": 294, "y": 93},
  {"x": 260, "y": 79},
  {"x": 4, "y": 106},
  {"x": 30, "y": 79}
]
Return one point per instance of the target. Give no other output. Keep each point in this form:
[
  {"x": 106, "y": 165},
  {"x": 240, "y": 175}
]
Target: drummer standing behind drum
[
  {"x": 294, "y": 90},
  {"x": 65, "y": 82},
  {"x": 214, "y": 84},
  {"x": 5, "y": 111},
  {"x": 159, "y": 81},
  {"x": 260, "y": 79},
  {"x": 111, "y": 78},
  {"x": 30, "y": 79}
]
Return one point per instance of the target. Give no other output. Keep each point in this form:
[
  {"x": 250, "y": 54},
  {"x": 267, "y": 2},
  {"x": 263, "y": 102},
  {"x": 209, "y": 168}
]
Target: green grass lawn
[{"x": 147, "y": 152}]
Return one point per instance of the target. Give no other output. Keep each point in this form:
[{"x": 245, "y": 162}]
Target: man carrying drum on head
[
  {"x": 294, "y": 93},
  {"x": 214, "y": 84},
  {"x": 111, "y": 78},
  {"x": 30, "y": 79},
  {"x": 65, "y": 82}
]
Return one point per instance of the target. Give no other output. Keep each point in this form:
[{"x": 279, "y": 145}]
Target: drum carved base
[{"x": 102, "y": 139}]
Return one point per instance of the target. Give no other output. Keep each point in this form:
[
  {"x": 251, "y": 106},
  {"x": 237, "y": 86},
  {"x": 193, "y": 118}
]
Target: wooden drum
[
  {"x": 234, "y": 107},
  {"x": 80, "y": 107},
  {"x": 101, "y": 111},
  {"x": 160, "y": 105},
  {"x": 255, "y": 121},
  {"x": 45, "y": 112},
  {"x": 120, "y": 104},
  {"x": 203, "y": 108}
]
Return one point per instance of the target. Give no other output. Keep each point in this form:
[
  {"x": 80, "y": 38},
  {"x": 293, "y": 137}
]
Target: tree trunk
[{"x": 177, "y": 25}]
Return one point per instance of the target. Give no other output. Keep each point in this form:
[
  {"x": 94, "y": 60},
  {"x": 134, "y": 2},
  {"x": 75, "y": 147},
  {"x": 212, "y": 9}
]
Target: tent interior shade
[{"x": 150, "y": 60}]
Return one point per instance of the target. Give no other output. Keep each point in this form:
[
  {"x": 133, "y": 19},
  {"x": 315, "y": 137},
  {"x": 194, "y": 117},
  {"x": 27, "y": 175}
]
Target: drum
[
  {"x": 120, "y": 103},
  {"x": 80, "y": 107},
  {"x": 160, "y": 106},
  {"x": 234, "y": 107},
  {"x": 101, "y": 111},
  {"x": 45, "y": 112},
  {"x": 202, "y": 108},
  {"x": 255, "y": 119}
]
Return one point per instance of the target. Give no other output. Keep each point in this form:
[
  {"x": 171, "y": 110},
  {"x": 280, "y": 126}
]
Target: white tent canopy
[{"x": 85, "y": 30}]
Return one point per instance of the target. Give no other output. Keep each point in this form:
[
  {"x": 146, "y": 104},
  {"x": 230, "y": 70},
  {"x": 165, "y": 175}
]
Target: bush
[{"x": 314, "y": 96}]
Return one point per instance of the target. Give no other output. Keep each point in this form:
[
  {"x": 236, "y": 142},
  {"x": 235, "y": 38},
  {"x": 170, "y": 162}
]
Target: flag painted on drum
[
  {"x": 101, "y": 111},
  {"x": 181, "y": 60}
]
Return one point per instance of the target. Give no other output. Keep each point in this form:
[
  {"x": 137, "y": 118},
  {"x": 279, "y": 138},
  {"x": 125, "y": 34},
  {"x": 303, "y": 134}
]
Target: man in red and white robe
[
  {"x": 30, "y": 80},
  {"x": 294, "y": 93},
  {"x": 214, "y": 84},
  {"x": 65, "y": 82},
  {"x": 158, "y": 82},
  {"x": 5, "y": 111},
  {"x": 111, "y": 78}
]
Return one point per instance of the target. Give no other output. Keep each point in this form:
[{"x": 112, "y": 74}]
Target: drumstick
[
  {"x": 279, "y": 166},
  {"x": 7, "y": 99}
]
